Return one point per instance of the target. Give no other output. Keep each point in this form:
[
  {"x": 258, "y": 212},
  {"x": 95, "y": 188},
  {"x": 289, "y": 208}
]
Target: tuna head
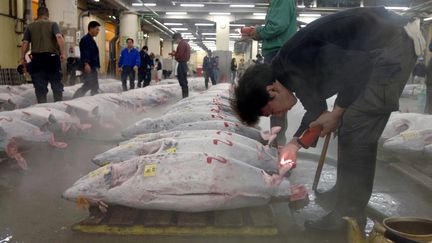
[
  {"x": 395, "y": 127},
  {"x": 410, "y": 141},
  {"x": 94, "y": 185},
  {"x": 127, "y": 151},
  {"x": 146, "y": 125}
]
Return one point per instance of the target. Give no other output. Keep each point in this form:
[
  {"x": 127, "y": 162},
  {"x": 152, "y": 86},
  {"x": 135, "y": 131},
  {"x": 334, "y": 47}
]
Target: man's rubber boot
[
  {"x": 41, "y": 98},
  {"x": 185, "y": 92},
  {"x": 58, "y": 96}
]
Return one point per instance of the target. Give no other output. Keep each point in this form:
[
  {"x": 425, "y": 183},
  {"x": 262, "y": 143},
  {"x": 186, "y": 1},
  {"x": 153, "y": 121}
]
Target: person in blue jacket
[{"x": 128, "y": 64}]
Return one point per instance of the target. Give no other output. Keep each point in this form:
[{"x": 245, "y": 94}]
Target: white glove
[{"x": 413, "y": 31}]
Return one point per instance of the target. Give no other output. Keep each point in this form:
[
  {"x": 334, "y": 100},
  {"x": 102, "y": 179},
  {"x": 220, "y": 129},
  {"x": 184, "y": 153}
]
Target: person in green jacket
[{"x": 280, "y": 25}]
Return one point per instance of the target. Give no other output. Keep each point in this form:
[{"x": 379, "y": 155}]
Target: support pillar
[
  {"x": 129, "y": 27},
  {"x": 153, "y": 43},
  {"x": 222, "y": 48}
]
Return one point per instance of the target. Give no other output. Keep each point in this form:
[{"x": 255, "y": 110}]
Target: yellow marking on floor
[{"x": 176, "y": 231}]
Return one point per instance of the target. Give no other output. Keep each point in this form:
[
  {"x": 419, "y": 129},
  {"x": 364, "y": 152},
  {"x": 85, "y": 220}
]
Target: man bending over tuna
[{"x": 364, "y": 56}]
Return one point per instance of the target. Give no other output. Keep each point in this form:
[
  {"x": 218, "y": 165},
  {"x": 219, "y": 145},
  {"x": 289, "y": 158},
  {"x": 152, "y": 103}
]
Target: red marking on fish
[
  {"x": 217, "y": 116},
  {"x": 215, "y": 110},
  {"x": 26, "y": 113},
  {"x": 227, "y": 142},
  {"x": 219, "y": 159},
  {"x": 226, "y": 124},
  {"x": 220, "y": 132},
  {"x": 6, "y": 119}
]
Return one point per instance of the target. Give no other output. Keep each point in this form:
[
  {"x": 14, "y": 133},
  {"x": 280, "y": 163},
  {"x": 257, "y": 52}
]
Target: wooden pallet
[{"x": 119, "y": 220}]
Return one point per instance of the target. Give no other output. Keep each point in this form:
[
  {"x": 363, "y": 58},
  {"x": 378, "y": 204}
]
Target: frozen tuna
[
  {"x": 170, "y": 121},
  {"x": 186, "y": 182},
  {"x": 259, "y": 156},
  {"x": 226, "y": 126},
  {"x": 412, "y": 141},
  {"x": 15, "y": 132}
]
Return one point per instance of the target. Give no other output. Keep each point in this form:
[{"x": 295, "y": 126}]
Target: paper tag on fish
[
  {"x": 101, "y": 171},
  {"x": 187, "y": 109},
  {"x": 150, "y": 170},
  {"x": 126, "y": 146},
  {"x": 410, "y": 135},
  {"x": 172, "y": 150}
]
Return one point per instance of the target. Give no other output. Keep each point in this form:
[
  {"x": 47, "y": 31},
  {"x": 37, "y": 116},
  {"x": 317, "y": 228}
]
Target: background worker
[
  {"x": 90, "y": 61},
  {"x": 128, "y": 64},
  {"x": 182, "y": 56},
  {"x": 144, "y": 71},
  {"x": 365, "y": 59},
  {"x": 279, "y": 26},
  {"x": 47, "y": 48},
  {"x": 208, "y": 69}
]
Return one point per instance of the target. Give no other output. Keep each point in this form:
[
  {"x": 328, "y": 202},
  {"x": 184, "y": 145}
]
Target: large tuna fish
[
  {"x": 188, "y": 182},
  {"x": 412, "y": 141},
  {"x": 9, "y": 101},
  {"x": 170, "y": 121},
  {"x": 259, "y": 156},
  {"x": 150, "y": 137},
  {"x": 226, "y": 126},
  {"x": 400, "y": 122},
  {"x": 15, "y": 132}
]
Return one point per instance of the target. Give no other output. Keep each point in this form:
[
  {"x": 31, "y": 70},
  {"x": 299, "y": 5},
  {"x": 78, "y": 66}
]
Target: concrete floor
[{"x": 31, "y": 209}]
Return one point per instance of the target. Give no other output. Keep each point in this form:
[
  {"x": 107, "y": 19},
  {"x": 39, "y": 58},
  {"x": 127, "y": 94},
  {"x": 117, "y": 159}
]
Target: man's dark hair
[
  {"x": 42, "y": 11},
  {"x": 251, "y": 95},
  {"x": 129, "y": 39},
  {"x": 145, "y": 48},
  {"x": 177, "y": 36},
  {"x": 93, "y": 24}
]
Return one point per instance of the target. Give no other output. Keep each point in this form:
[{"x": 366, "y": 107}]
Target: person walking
[
  {"x": 208, "y": 69},
  {"x": 182, "y": 56},
  {"x": 280, "y": 25},
  {"x": 241, "y": 68},
  {"x": 48, "y": 52},
  {"x": 89, "y": 60},
  {"x": 144, "y": 71},
  {"x": 215, "y": 65},
  {"x": 233, "y": 70},
  {"x": 128, "y": 64},
  {"x": 158, "y": 70}
]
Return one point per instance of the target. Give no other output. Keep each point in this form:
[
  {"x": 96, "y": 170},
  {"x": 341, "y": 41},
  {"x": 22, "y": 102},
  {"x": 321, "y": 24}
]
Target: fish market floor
[{"x": 31, "y": 209}]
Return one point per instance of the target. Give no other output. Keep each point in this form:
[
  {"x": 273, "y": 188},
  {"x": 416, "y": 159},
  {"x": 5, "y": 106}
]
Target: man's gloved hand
[
  {"x": 330, "y": 121},
  {"x": 289, "y": 152}
]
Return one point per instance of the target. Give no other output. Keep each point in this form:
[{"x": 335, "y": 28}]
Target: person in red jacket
[{"x": 182, "y": 56}]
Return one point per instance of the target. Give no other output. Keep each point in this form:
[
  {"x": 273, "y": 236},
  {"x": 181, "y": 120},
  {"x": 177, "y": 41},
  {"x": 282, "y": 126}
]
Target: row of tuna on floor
[
  {"x": 38, "y": 123},
  {"x": 196, "y": 157}
]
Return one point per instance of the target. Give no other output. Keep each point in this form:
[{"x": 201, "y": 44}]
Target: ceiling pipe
[{"x": 157, "y": 28}]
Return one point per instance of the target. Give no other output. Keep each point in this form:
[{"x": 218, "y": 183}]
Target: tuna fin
[
  {"x": 56, "y": 144},
  {"x": 12, "y": 152}
]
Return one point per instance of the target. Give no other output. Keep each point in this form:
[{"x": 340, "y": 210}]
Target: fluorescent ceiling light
[
  {"x": 208, "y": 33},
  {"x": 210, "y": 38},
  {"x": 179, "y": 29},
  {"x": 301, "y": 6},
  {"x": 208, "y": 42},
  {"x": 427, "y": 19},
  {"x": 176, "y": 13},
  {"x": 204, "y": 24},
  {"x": 173, "y": 24},
  {"x": 310, "y": 15},
  {"x": 302, "y": 25},
  {"x": 219, "y": 13},
  {"x": 242, "y": 6},
  {"x": 259, "y": 14},
  {"x": 150, "y": 4},
  {"x": 397, "y": 8},
  {"x": 307, "y": 20},
  {"x": 199, "y": 5},
  {"x": 237, "y": 25},
  {"x": 96, "y": 0},
  {"x": 186, "y": 33},
  {"x": 134, "y": 4}
]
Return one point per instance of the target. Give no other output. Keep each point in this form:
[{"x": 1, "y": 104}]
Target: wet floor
[{"x": 31, "y": 209}]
